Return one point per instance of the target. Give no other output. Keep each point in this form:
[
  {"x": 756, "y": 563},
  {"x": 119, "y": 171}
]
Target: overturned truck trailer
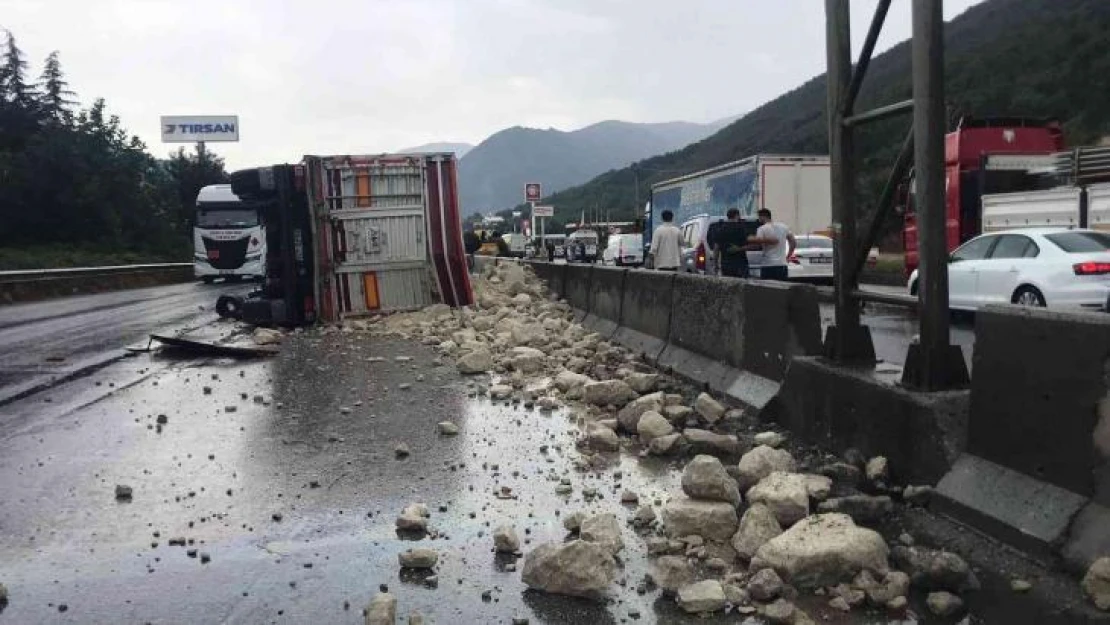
[{"x": 357, "y": 235}]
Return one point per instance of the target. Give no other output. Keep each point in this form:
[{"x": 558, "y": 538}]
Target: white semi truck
[{"x": 229, "y": 240}]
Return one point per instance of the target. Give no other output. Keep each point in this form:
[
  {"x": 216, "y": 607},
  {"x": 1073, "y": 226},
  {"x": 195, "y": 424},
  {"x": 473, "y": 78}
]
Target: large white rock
[
  {"x": 382, "y": 610},
  {"x": 578, "y": 568},
  {"x": 677, "y": 413},
  {"x": 602, "y": 529},
  {"x": 670, "y": 573},
  {"x": 477, "y": 361},
  {"x": 786, "y": 494},
  {"x": 761, "y": 462},
  {"x": 608, "y": 392},
  {"x": 413, "y": 518},
  {"x": 642, "y": 382},
  {"x": 705, "y": 478},
  {"x": 710, "y": 409},
  {"x": 420, "y": 558},
  {"x": 710, "y": 519},
  {"x": 1096, "y": 583},
  {"x": 652, "y": 425},
  {"x": 527, "y": 359},
  {"x": 823, "y": 550},
  {"x": 629, "y": 417},
  {"x": 667, "y": 445},
  {"x": 704, "y": 596},
  {"x": 505, "y": 540},
  {"x": 706, "y": 442},
  {"x": 602, "y": 438},
  {"x": 528, "y": 334},
  {"x": 567, "y": 380},
  {"x": 757, "y": 526}
]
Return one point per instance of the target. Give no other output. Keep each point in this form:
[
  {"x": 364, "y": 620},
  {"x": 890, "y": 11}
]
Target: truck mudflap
[{"x": 445, "y": 234}]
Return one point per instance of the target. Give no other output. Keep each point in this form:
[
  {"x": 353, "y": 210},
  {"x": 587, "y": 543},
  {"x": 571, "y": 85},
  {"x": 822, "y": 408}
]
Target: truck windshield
[
  {"x": 226, "y": 218},
  {"x": 1080, "y": 242}
]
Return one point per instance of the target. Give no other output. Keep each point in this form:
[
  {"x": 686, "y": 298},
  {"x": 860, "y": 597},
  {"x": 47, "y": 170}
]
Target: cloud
[{"x": 344, "y": 76}]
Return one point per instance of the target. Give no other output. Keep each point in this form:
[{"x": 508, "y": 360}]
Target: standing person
[
  {"x": 471, "y": 243},
  {"x": 732, "y": 244},
  {"x": 777, "y": 243},
  {"x": 666, "y": 245},
  {"x": 712, "y": 241}
]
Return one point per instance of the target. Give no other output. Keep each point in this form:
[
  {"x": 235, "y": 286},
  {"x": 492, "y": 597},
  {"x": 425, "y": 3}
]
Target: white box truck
[{"x": 795, "y": 188}]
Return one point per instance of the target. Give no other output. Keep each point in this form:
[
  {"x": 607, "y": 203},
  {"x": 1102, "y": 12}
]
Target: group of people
[{"x": 729, "y": 242}]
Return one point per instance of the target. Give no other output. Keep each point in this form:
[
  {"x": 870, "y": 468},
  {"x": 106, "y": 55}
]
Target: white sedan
[
  {"x": 813, "y": 258},
  {"x": 1053, "y": 267}
]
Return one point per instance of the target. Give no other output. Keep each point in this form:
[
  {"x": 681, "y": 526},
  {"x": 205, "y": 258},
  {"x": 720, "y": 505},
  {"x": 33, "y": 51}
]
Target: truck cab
[{"x": 982, "y": 156}]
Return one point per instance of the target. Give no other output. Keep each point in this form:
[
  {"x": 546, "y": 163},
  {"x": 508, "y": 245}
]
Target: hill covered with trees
[
  {"x": 76, "y": 188},
  {"x": 1041, "y": 58}
]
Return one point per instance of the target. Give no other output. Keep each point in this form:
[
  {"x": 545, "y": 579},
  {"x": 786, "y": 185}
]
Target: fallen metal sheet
[{"x": 214, "y": 349}]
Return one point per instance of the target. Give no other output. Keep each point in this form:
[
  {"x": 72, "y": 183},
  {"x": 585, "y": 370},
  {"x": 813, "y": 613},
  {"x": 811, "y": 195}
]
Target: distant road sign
[
  {"x": 193, "y": 128},
  {"x": 532, "y": 192},
  {"x": 543, "y": 211}
]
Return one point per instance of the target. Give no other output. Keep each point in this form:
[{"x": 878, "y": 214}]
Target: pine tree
[
  {"x": 54, "y": 92},
  {"x": 13, "y": 83}
]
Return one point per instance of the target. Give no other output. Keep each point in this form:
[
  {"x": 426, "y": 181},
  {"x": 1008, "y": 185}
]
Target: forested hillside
[
  {"x": 492, "y": 175},
  {"x": 75, "y": 187},
  {"x": 1003, "y": 57}
]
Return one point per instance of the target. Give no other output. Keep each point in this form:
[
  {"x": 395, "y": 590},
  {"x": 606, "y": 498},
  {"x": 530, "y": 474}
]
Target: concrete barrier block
[
  {"x": 606, "y": 296},
  {"x": 557, "y": 280},
  {"x": 921, "y": 433},
  {"x": 577, "y": 289},
  {"x": 1027, "y": 513},
  {"x": 780, "y": 321},
  {"x": 646, "y": 312},
  {"x": 1040, "y": 378},
  {"x": 707, "y": 318}
]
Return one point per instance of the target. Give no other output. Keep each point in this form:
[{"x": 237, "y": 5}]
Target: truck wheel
[
  {"x": 229, "y": 306},
  {"x": 1028, "y": 296}
]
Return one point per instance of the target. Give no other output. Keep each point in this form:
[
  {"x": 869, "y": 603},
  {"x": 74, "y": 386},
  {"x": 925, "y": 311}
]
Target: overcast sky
[{"x": 350, "y": 76}]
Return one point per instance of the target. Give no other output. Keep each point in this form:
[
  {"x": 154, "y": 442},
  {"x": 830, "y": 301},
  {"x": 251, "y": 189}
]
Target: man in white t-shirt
[
  {"x": 666, "y": 245},
  {"x": 777, "y": 244}
]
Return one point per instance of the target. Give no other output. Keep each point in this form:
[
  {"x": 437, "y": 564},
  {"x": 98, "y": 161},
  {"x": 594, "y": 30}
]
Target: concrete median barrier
[
  {"x": 606, "y": 296},
  {"x": 1038, "y": 444},
  {"x": 735, "y": 337},
  {"x": 646, "y": 312},
  {"x": 576, "y": 289},
  {"x": 706, "y": 338},
  {"x": 922, "y": 434},
  {"x": 41, "y": 284}
]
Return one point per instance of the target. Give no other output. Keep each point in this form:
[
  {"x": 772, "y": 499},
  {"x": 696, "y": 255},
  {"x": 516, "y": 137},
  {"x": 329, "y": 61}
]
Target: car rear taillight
[
  {"x": 794, "y": 259},
  {"x": 1091, "y": 268},
  {"x": 699, "y": 257}
]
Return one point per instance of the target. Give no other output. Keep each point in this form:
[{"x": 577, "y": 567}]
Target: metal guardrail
[{"x": 44, "y": 275}]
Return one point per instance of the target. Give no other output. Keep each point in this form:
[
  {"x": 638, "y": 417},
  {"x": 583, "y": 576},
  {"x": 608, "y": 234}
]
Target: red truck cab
[{"x": 966, "y": 177}]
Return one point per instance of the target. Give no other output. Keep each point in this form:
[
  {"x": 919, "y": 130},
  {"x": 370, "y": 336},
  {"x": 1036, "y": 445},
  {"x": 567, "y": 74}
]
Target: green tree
[{"x": 54, "y": 98}]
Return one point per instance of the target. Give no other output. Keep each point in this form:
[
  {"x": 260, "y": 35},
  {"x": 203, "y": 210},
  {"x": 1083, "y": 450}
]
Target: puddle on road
[{"x": 283, "y": 471}]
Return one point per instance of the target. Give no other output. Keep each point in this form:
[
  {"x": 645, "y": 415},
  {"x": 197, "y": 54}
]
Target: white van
[
  {"x": 582, "y": 246},
  {"x": 624, "y": 250}
]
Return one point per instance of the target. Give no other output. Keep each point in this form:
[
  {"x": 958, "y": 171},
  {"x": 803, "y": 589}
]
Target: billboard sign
[
  {"x": 194, "y": 128},
  {"x": 543, "y": 211},
  {"x": 532, "y": 192}
]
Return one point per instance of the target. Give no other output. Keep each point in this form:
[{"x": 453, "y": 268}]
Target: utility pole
[
  {"x": 201, "y": 155},
  {"x": 937, "y": 364}
]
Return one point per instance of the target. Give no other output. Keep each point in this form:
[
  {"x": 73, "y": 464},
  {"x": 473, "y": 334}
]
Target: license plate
[
  {"x": 821, "y": 260},
  {"x": 591, "y": 249},
  {"x": 213, "y": 254}
]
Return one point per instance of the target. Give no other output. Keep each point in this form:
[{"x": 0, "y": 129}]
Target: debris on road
[
  {"x": 577, "y": 568},
  {"x": 1096, "y": 583},
  {"x": 382, "y": 610},
  {"x": 123, "y": 492}
]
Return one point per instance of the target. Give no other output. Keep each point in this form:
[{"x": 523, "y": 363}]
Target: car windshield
[
  {"x": 1079, "y": 242},
  {"x": 819, "y": 244},
  {"x": 227, "y": 218}
]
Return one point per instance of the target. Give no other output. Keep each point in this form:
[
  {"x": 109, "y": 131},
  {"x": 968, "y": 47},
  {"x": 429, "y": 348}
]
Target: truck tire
[
  {"x": 229, "y": 306},
  {"x": 1028, "y": 296}
]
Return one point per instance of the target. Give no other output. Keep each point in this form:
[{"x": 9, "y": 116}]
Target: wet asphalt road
[
  {"x": 309, "y": 436},
  {"x": 44, "y": 341},
  {"x": 317, "y": 448}
]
